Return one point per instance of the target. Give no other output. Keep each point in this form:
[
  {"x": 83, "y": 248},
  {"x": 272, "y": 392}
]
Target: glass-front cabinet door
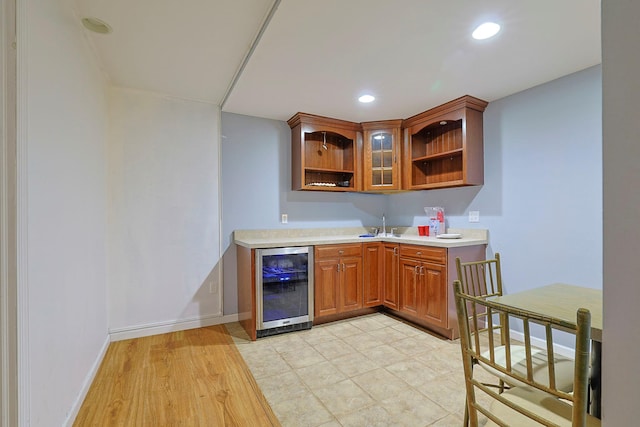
[{"x": 381, "y": 167}]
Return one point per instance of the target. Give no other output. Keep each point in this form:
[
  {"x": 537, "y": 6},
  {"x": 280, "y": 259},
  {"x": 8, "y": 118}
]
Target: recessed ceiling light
[
  {"x": 366, "y": 98},
  {"x": 96, "y": 25},
  {"x": 485, "y": 31}
]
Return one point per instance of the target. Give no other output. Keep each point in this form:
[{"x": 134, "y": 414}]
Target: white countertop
[{"x": 258, "y": 239}]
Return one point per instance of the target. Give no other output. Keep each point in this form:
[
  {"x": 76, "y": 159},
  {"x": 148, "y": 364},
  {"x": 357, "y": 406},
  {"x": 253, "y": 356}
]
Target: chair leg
[{"x": 465, "y": 423}]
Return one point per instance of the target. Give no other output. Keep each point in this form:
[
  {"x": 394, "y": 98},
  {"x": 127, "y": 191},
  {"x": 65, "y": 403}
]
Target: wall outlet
[
  {"x": 284, "y": 218},
  {"x": 474, "y": 216}
]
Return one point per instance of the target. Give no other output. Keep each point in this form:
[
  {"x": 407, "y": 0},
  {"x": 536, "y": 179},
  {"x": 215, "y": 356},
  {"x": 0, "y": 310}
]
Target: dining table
[{"x": 562, "y": 300}]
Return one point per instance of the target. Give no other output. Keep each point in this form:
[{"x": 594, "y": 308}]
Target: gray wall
[
  {"x": 621, "y": 157},
  {"x": 256, "y": 189},
  {"x": 541, "y": 201},
  {"x": 542, "y": 195}
]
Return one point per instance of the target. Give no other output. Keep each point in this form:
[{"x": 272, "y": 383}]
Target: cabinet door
[
  {"x": 409, "y": 286},
  {"x": 350, "y": 284},
  {"x": 433, "y": 297},
  {"x": 382, "y": 155},
  {"x": 326, "y": 285},
  {"x": 391, "y": 264},
  {"x": 373, "y": 269}
]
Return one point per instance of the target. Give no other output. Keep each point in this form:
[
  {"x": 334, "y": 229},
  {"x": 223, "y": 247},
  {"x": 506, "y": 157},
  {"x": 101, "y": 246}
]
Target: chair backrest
[
  {"x": 480, "y": 278},
  {"x": 534, "y": 400}
]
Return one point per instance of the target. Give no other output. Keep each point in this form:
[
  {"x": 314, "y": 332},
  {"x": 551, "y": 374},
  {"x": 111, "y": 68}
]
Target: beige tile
[
  {"x": 299, "y": 357},
  {"x": 256, "y": 350},
  {"x": 384, "y": 355},
  {"x": 374, "y": 370},
  {"x": 374, "y": 416},
  {"x": 409, "y": 408},
  {"x": 413, "y": 372},
  {"x": 317, "y": 334},
  {"x": 414, "y": 345},
  {"x": 388, "y": 335},
  {"x": 320, "y": 375},
  {"x": 409, "y": 330},
  {"x": 285, "y": 342},
  {"x": 354, "y": 364},
  {"x": 363, "y": 342},
  {"x": 381, "y": 384},
  {"x": 331, "y": 424},
  {"x": 267, "y": 367},
  {"x": 343, "y": 329},
  {"x": 282, "y": 387},
  {"x": 442, "y": 362},
  {"x": 303, "y": 411},
  {"x": 451, "y": 420},
  {"x": 445, "y": 393},
  {"x": 332, "y": 349},
  {"x": 369, "y": 323},
  {"x": 343, "y": 397},
  {"x": 389, "y": 320}
]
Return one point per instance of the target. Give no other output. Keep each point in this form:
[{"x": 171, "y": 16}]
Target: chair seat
[
  {"x": 537, "y": 402},
  {"x": 563, "y": 366}
]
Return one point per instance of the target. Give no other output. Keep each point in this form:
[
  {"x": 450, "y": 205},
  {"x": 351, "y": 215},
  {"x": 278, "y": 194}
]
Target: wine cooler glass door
[{"x": 284, "y": 286}]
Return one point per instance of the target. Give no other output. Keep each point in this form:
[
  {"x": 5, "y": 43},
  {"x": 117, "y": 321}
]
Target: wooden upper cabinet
[
  {"x": 443, "y": 147},
  {"x": 324, "y": 153},
  {"x": 381, "y": 155}
]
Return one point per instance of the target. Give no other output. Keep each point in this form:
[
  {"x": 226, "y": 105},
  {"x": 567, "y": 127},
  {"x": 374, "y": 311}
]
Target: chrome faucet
[{"x": 384, "y": 226}]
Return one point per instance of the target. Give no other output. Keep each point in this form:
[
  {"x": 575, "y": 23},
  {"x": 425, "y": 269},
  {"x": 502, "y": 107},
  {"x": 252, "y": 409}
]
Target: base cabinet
[
  {"x": 412, "y": 281},
  {"x": 409, "y": 286},
  {"x": 373, "y": 274},
  {"x": 425, "y": 285},
  {"x": 391, "y": 271},
  {"x": 337, "y": 279}
]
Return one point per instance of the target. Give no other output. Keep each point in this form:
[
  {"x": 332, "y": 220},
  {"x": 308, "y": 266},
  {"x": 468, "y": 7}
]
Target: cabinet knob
[
  {"x": 340, "y": 252},
  {"x": 419, "y": 253}
]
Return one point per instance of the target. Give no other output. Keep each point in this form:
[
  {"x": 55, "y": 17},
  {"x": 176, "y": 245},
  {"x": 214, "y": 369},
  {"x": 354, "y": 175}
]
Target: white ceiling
[{"x": 318, "y": 56}]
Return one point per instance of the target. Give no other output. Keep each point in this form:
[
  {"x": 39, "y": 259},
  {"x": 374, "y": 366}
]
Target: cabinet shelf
[
  {"x": 327, "y": 170},
  {"x": 444, "y": 146},
  {"x": 444, "y": 154},
  {"x": 324, "y": 153}
]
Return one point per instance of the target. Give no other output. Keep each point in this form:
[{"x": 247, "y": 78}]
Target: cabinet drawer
[
  {"x": 337, "y": 251},
  {"x": 427, "y": 253}
]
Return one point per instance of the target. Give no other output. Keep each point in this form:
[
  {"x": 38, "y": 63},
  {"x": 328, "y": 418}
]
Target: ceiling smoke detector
[{"x": 96, "y": 25}]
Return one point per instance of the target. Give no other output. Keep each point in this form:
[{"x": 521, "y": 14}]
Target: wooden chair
[
  {"x": 480, "y": 278},
  {"x": 537, "y": 399},
  {"x": 483, "y": 279}
]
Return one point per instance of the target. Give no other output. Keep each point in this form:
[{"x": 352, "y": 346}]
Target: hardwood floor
[{"x": 188, "y": 378}]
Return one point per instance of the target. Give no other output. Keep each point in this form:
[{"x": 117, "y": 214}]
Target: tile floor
[{"x": 373, "y": 370}]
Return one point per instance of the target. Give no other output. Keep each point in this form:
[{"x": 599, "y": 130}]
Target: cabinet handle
[
  {"x": 338, "y": 268},
  {"x": 419, "y": 253},
  {"x": 395, "y": 251},
  {"x": 343, "y": 267},
  {"x": 422, "y": 270},
  {"x": 341, "y": 252}
]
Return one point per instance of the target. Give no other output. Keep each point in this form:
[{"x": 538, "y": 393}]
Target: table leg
[{"x": 596, "y": 379}]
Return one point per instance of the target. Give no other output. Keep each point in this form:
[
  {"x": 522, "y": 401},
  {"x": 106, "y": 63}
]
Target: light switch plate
[
  {"x": 284, "y": 219},
  {"x": 474, "y": 216}
]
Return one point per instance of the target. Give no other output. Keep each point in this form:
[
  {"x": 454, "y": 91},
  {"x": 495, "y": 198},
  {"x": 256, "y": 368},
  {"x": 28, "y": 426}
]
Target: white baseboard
[
  {"x": 139, "y": 331},
  {"x": 73, "y": 413},
  {"x": 559, "y": 349},
  {"x": 119, "y": 334}
]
